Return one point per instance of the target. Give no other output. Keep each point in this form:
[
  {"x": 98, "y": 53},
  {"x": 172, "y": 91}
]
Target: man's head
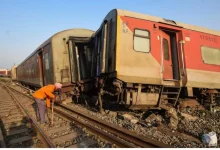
[{"x": 58, "y": 86}]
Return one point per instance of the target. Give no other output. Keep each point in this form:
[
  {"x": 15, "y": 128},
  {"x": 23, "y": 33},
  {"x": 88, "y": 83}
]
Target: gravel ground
[
  {"x": 194, "y": 129},
  {"x": 204, "y": 123}
]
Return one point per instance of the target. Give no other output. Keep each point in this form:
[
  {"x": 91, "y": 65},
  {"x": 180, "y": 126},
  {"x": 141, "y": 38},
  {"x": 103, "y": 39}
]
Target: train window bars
[
  {"x": 141, "y": 40},
  {"x": 210, "y": 55}
]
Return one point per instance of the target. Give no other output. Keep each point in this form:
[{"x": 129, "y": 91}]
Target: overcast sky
[{"x": 25, "y": 24}]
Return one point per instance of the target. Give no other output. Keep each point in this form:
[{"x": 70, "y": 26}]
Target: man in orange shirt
[{"x": 40, "y": 96}]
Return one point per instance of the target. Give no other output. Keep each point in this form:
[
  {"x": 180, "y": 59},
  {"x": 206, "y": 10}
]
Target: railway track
[
  {"x": 17, "y": 128},
  {"x": 63, "y": 133},
  {"x": 106, "y": 131}
]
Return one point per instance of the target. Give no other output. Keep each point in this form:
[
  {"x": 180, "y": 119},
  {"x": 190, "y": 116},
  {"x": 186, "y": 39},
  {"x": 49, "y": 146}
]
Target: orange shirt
[{"x": 45, "y": 92}]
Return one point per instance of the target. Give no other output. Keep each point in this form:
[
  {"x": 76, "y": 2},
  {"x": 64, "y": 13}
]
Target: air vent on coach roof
[{"x": 169, "y": 21}]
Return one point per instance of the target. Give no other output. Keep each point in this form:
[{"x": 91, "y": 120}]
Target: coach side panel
[
  {"x": 60, "y": 54},
  {"x": 202, "y": 59},
  {"x": 138, "y": 58},
  {"x": 28, "y": 72},
  {"x": 201, "y": 54}
]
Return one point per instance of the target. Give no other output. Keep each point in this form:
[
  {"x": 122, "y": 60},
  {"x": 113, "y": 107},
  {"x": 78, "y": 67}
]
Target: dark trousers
[{"x": 41, "y": 109}]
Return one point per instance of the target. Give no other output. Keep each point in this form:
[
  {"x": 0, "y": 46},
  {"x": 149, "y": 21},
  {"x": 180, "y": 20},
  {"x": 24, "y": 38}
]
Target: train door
[
  {"x": 169, "y": 55},
  {"x": 47, "y": 65},
  {"x": 80, "y": 55},
  {"x": 101, "y": 56}
]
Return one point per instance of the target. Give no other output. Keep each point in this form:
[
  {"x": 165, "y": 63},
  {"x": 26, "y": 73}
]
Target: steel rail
[
  {"x": 38, "y": 130},
  {"x": 120, "y": 132},
  {"x": 91, "y": 128}
]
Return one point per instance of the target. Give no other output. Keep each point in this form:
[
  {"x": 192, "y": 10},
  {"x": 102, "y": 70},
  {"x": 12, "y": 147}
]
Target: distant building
[{"x": 3, "y": 72}]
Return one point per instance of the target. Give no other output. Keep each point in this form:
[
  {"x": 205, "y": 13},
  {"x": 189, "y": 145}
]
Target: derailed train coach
[
  {"x": 151, "y": 62},
  {"x": 52, "y": 62}
]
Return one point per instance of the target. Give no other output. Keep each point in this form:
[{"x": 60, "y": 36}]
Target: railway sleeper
[
  {"x": 87, "y": 143},
  {"x": 12, "y": 121},
  {"x": 20, "y": 140},
  {"x": 7, "y": 105},
  {"x": 18, "y": 135},
  {"x": 17, "y": 131},
  {"x": 6, "y": 114},
  {"x": 14, "y": 125},
  {"x": 56, "y": 124},
  {"x": 55, "y": 130},
  {"x": 9, "y": 110},
  {"x": 69, "y": 139},
  {"x": 61, "y": 133}
]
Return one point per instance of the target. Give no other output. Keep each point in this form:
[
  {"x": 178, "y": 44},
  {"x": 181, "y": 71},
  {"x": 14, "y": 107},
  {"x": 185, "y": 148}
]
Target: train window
[
  {"x": 141, "y": 40},
  {"x": 210, "y": 55},
  {"x": 166, "y": 50},
  {"x": 46, "y": 61}
]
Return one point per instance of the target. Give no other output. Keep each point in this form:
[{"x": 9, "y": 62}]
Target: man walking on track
[{"x": 40, "y": 96}]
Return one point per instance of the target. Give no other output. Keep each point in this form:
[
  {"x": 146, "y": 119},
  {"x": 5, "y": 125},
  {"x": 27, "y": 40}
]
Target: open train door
[
  {"x": 80, "y": 54},
  {"x": 167, "y": 56},
  {"x": 170, "y": 65},
  {"x": 170, "y": 52}
]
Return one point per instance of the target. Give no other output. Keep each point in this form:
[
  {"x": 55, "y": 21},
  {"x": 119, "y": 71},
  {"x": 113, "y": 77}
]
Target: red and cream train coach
[{"x": 153, "y": 61}]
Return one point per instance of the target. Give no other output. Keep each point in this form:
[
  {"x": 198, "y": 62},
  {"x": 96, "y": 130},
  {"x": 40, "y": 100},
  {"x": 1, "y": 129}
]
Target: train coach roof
[
  {"x": 158, "y": 19},
  {"x": 79, "y": 32}
]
